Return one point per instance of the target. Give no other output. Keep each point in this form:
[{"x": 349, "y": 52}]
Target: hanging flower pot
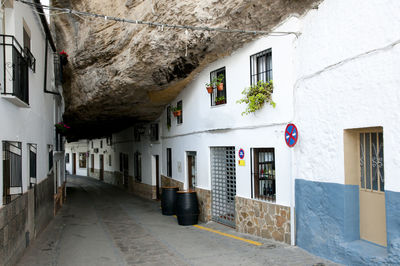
[
  {"x": 210, "y": 89},
  {"x": 220, "y": 86},
  {"x": 63, "y": 58},
  {"x": 177, "y": 113}
]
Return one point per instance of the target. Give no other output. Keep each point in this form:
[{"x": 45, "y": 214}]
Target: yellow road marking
[{"x": 228, "y": 235}]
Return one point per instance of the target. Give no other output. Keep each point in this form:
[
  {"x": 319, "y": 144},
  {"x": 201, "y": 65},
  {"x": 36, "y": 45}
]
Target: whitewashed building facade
[
  {"x": 32, "y": 168},
  {"x": 338, "y": 81}
]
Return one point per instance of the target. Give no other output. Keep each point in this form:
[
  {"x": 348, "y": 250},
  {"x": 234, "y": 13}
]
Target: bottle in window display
[
  {"x": 265, "y": 171},
  {"x": 261, "y": 172},
  {"x": 265, "y": 189}
]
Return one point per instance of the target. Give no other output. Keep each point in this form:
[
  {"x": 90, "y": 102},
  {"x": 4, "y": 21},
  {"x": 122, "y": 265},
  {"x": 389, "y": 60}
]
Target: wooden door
[
  {"x": 191, "y": 166},
  {"x": 371, "y": 188},
  {"x": 74, "y": 163},
  {"x": 158, "y": 194},
  {"x": 101, "y": 160}
]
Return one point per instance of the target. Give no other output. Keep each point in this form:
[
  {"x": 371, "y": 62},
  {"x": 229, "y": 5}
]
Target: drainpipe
[{"x": 292, "y": 202}]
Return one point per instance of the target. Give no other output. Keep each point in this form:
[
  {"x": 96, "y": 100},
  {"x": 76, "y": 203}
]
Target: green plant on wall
[{"x": 256, "y": 95}]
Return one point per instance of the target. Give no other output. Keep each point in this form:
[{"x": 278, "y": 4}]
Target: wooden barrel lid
[{"x": 186, "y": 191}]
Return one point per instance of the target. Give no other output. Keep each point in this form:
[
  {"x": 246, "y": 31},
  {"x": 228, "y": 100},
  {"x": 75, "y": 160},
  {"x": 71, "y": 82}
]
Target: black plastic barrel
[
  {"x": 187, "y": 208},
  {"x": 168, "y": 200}
]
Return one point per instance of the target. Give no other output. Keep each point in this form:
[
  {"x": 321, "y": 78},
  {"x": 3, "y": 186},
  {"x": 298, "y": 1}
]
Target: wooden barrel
[
  {"x": 187, "y": 207},
  {"x": 168, "y": 200}
]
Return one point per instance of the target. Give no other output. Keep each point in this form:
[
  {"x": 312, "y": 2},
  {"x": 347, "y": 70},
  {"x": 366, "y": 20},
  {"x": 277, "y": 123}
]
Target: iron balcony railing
[{"x": 14, "y": 77}]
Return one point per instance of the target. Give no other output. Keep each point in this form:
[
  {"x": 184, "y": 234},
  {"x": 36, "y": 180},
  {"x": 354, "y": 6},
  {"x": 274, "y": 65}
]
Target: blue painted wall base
[{"x": 327, "y": 224}]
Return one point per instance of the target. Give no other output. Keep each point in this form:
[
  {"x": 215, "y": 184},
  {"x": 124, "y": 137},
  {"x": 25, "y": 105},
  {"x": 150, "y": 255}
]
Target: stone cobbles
[{"x": 104, "y": 225}]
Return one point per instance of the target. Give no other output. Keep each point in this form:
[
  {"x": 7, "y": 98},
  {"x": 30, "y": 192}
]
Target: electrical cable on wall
[{"x": 159, "y": 24}]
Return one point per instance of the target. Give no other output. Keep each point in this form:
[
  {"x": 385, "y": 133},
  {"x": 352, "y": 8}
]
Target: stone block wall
[
  {"x": 264, "y": 219},
  {"x": 142, "y": 190},
  {"x": 20, "y": 221},
  {"x": 204, "y": 198},
  {"x": 170, "y": 182}
]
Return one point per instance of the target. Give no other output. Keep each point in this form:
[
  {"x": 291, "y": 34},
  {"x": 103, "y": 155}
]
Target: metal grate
[
  {"x": 261, "y": 67},
  {"x": 223, "y": 185}
]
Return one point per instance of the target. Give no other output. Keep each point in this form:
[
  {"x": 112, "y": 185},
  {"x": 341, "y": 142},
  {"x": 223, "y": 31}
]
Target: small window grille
[
  {"x": 109, "y": 160},
  {"x": 67, "y": 158},
  {"x": 218, "y": 96},
  {"x": 154, "y": 132},
  {"x": 32, "y": 164},
  {"x": 101, "y": 144},
  {"x": 169, "y": 162},
  {"x": 12, "y": 170},
  {"x": 371, "y": 161},
  {"x": 263, "y": 174},
  {"x": 261, "y": 67}
]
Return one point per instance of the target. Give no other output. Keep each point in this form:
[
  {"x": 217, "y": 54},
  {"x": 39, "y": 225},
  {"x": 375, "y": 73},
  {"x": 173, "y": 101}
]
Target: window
[
  {"x": 109, "y": 160},
  {"x": 261, "y": 67},
  {"x": 218, "y": 96},
  {"x": 50, "y": 151},
  {"x": 263, "y": 172},
  {"x": 67, "y": 158},
  {"x": 371, "y": 161},
  {"x": 154, "y": 132},
  {"x": 12, "y": 170},
  {"x": 169, "y": 162},
  {"x": 169, "y": 117},
  {"x": 138, "y": 166},
  {"x": 179, "y": 119},
  {"x": 32, "y": 148},
  {"x": 101, "y": 144},
  {"x": 82, "y": 160},
  {"x": 109, "y": 141}
]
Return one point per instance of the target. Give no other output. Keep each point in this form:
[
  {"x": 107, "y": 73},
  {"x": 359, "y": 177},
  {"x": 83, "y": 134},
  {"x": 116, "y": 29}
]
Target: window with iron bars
[
  {"x": 263, "y": 174},
  {"x": 12, "y": 170},
  {"x": 50, "y": 151},
  {"x": 261, "y": 67},
  {"x": 218, "y": 96},
  {"x": 32, "y": 148},
  {"x": 179, "y": 119}
]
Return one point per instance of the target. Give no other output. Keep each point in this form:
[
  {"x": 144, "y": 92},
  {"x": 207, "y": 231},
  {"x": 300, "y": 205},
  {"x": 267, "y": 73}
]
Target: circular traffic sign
[
  {"x": 241, "y": 154},
  {"x": 291, "y": 135}
]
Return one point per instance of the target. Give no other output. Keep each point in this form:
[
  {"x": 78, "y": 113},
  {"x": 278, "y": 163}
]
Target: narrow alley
[{"x": 101, "y": 224}]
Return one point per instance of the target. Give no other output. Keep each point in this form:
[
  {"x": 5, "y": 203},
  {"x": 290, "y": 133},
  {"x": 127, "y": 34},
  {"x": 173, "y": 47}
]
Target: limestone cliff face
[{"x": 119, "y": 73}]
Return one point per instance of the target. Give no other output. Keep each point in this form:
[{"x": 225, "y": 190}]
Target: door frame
[
  {"x": 190, "y": 156},
  {"x": 101, "y": 162},
  {"x": 74, "y": 163}
]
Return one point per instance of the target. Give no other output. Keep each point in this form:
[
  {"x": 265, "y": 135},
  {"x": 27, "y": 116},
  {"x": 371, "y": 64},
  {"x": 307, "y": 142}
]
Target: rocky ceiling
[{"x": 120, "y": 74}]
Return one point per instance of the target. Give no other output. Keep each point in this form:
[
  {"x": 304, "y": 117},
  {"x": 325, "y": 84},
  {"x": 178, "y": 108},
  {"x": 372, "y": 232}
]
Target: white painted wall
[
  {"x": 36, "y": 123},
  {"x": 347, "y": 76},
  {"x": 206, "y": 126},
  {"x": 77, "y": 147}
]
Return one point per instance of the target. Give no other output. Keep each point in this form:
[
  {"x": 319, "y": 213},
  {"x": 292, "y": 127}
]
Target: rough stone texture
[
  {"x": 142, "y": 190},
  {"x": 19, "y": 223},
  {"x": 170, "y": 182},
  {"x": 204, "y": 198},
  {"x": 127, "y": 73},
  {"x": 263, "y": 219}
]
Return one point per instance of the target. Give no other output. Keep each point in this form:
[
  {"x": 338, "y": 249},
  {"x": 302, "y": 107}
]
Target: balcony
[{"x": 14, "y": 77}]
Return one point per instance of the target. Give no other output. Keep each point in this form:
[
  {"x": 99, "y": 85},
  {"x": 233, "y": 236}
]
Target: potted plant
[
  {"x": 220, "y": 100},
  {"x": 209, "y": 87},
  {"x": 63, "y": 57},
  {"x": 256, "y": 95},
  {"x": 61, "y": 127},
  {"x": 218, "y": 83},
  {"x": 177, "y": 111}
]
